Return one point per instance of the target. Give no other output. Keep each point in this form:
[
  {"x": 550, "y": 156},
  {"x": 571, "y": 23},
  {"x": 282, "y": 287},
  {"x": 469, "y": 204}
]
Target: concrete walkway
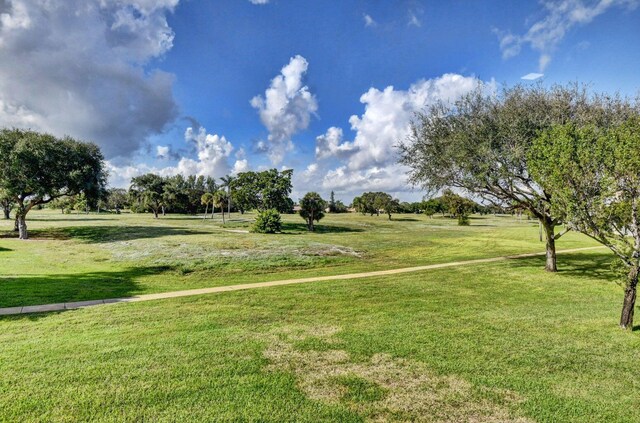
[{"x": 202, "y": 291}]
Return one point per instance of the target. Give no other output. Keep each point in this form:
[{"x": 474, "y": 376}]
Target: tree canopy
[
  {"x": 37, "y": 168},
  {"x": 312, "y": 208}
]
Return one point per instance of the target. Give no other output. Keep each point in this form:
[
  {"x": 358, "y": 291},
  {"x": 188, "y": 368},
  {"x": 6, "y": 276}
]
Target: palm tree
[
  {"x": 227, "y": 181},
  {"x": 219, "y": 199},
  {"x": 206, "y": 199}
]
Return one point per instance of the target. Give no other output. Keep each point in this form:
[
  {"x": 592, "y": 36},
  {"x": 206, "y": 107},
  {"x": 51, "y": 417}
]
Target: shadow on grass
[
  {"x": 586, "y": 265},
  {"x": 321, "y": 229},
  {"x": 97, "y": 234},
  {"x": 49, "y": 289},
  {"x": 2, "y": 249},
  {"x": 405, "y": 219},
  {"x": 69, "y": 218}
]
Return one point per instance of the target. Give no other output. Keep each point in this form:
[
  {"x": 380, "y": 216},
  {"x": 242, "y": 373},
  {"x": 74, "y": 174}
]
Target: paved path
[{"x": 202, "y": 291}]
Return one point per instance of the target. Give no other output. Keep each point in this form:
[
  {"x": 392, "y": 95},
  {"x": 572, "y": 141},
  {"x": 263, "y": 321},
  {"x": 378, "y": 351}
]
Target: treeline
[{"x": 269, "y": 189}]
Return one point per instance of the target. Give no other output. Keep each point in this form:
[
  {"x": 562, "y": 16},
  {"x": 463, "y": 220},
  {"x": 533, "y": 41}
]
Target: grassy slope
[
  {"x": 81, "y": 257},
  {"x": 501, "y": 341}
]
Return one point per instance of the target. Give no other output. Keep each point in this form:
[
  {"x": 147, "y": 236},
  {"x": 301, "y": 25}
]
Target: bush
[
  {"x": 463, "y": 220},
  {"x": 267, "y": 222}
]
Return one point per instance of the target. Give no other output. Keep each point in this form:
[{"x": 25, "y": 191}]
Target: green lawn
[
  {"x": 495, "y": 342},
  {"x": 85, "y": 257}
]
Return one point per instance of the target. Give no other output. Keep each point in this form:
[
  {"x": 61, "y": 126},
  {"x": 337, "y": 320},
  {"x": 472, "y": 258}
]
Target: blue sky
[{"x": 287, "y": 84}]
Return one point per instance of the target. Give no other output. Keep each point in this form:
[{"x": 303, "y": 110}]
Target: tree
[
  {"x": 457, "y": 206},
  {"x": 220, "y": 198},
  {"x": 117, "y": 199},
  {"x": 480, "y": 145},
  {"x": 206, "y": 199},
  {"x": 432, "y": 206},
  {"x": 149, "y": 191},
  {"x": 332, "y": 203},
  {"x": 6, "y": 203},
  {"x": 312, "y": 208},
  {"x": 594, "y": 174},
  {"x": 36, "y": 168},
  {"x": 227, "y": 182}
]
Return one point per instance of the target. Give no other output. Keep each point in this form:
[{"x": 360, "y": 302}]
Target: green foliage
[
  {"x": 312, "y": 208},
  {"x": 374, "y": 202},
  {"x": 269, "y": 189},
  {"x": 457, "y": 206},
  {"x": 267, "y": 222},
  {"x": 148, "y": 191}
]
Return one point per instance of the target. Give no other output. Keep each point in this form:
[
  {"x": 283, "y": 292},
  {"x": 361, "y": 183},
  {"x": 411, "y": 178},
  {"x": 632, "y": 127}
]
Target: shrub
[{"x": 267, "y": 222}]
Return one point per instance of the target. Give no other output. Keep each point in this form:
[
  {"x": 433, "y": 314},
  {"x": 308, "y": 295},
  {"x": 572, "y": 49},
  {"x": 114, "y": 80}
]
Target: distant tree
[
  {"x": 149, "y": 191},
  {"x": 340, "y": 207},
  {"x": 6, "y": 203},
  {"x": 117, "y": 199},
  {"x": 81, "y": 204},
  {"x": 480, "y": 144},
  {"x": 220, "y": 199},
  {"x": 594, "y": 174},
  {"x": 432, "y": 206},
  {"x": 332, "y": 203},
  {"x": 457, "y": 206},
  {"x": 312, "y": 208},
  {"x": 36, "y": 168},
  {"x": 206, "y": 199},
  {"x": 227, "y": 182}
]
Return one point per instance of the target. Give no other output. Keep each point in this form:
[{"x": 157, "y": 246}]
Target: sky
[{"x": 327, "y": 88}]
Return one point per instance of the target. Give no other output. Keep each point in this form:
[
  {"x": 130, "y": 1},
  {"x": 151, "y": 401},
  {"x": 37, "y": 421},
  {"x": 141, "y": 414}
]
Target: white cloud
[
  {"x": 88, "y": 57},
  {"x": 259, "y": 1},
  {"x": 370, "y": 161},
  {"x": 213, "y": 159},
  {"x": 162, "y": 152},
  {"x": 368, "y": 20},
  {"x": 286, "y": 108},
  {"x": 532, "y": 76},
  {"x": 560, "y": 16}
]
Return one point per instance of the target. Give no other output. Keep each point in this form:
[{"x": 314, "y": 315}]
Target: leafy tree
[
  {"x": 332, "y": 203},
  {"x": 373, "y": 202},
  {"x": 594, "y": 174},
  {"x": 432, "y": 206},
  {"x": 6, "y": 203},
  {"x": 267, "y": 222},
  {"x": 312, "y": 208},
  {"x": 227, "y": 182},
  {"x": 457, "y": 206},
  {"x": 206, "y": 199},
  {"x": 36, "y": 168},
  {"x": 480, "y": 144},
  {"x": 149, "y": 191},
  {"x": 117, "y": 199},
  {"x": 220, "y": 199}
]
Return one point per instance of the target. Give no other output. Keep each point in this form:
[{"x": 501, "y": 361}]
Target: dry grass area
[{"x": 382, "y": 388}]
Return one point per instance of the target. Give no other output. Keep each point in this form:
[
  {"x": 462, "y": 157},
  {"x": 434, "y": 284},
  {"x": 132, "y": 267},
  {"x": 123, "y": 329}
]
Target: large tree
[
  {"x": 264, "y": 190},
  {"x": 594, "y": 173},
  {"x": 37, "y": 168},
  {"x": 149, "y": 191},
  {"x": 312, "y": 208},
  {"x": 480, "y": 145}
]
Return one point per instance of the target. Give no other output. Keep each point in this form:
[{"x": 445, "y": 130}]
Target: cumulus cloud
[
  {"x": 370, "y": 160},
  {"x": 213, "y": 153},
  {"x": 286, "y": 108},
  {"x": 77, "y": 67},
  {"x": 163, "y": 151},
  {"x": 560, "y": 17}
]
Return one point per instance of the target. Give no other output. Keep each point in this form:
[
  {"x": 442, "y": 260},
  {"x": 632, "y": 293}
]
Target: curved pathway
[{"x": 201, "y": 291}]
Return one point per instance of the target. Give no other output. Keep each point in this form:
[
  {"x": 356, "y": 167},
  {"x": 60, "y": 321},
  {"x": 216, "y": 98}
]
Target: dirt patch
[{"x": 384, "y": 388}]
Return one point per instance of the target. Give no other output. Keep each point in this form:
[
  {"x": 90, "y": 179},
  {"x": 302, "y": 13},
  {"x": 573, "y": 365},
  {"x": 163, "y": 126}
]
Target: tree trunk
[
  {"x": 628, "y": 306},
  {"x": 163, "y": 211},
  {"x": 15, "y": 224},
  {"x": 155, "y": 213},
  {"x": 7, "y": 212},
  {"x": 22, "y": 226},
  {"x": 213, "y": 210},
  {"x": 206, "y": 211},
  {"x": 222, "y": 208},
  {"x": 549, "y": 230}
]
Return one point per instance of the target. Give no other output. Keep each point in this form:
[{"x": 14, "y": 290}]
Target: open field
[
  {"x": 501, "y": 341},
  {"x": 87, "y": 257}
]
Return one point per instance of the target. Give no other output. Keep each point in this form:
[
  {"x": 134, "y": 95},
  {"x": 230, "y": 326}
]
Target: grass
[
  {"x": 498, "y": 342},
  {"x": 85, "y": 257},
  {"x": 501, "y": 342}
]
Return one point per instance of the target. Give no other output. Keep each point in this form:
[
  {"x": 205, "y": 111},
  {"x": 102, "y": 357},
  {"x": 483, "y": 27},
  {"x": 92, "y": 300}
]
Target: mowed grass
[
  {"x": 85, "y": 257},
  {"x": 496, "y": 342}
]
